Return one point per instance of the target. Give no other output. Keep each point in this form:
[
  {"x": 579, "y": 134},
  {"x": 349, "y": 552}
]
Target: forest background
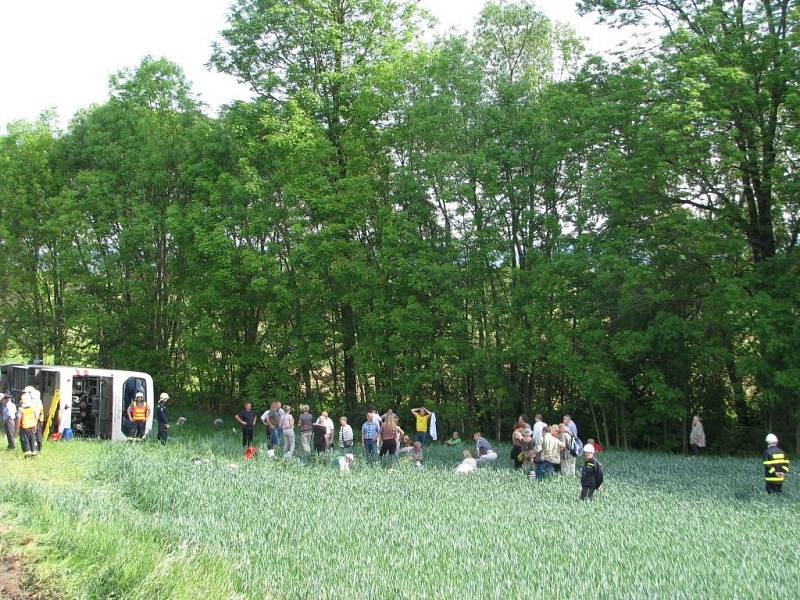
[{"x": 491, "y": 224}]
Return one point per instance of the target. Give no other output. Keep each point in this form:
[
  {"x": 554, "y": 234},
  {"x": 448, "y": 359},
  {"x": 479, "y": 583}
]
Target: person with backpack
[
  {"x": 776, "y": 465},
  {"x": 568, "y": 456},
  {"x": 272, "y": 421},
  {"x": 591, "y": 474}
]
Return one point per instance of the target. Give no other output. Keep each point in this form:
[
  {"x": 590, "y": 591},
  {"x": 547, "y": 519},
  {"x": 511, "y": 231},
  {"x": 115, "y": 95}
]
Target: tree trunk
[{"x": 348, "y": 348}]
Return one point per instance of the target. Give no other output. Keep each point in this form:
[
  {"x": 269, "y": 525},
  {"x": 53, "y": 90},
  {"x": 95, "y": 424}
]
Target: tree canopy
[{"x": 492, "y": 224}]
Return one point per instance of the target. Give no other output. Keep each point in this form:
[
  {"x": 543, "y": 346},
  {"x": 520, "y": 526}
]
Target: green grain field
[{"x": 141, "y": 521}]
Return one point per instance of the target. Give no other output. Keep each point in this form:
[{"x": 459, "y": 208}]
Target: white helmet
[
  {"x": 588, "y": 448},
  {"x": 772, "y": 439},
  {"x": 164, "y": 396},
  {"x": 139, "y": 395}
]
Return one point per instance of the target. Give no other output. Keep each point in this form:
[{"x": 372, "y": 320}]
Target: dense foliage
[{"x": 491, "y": 223}]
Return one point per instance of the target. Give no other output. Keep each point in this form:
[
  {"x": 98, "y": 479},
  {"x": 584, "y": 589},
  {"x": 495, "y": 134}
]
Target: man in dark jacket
[
  {"x": 163, "y": 419},
  {"x": 776, "y": 465},
  {"x": 591, "y": 473}
]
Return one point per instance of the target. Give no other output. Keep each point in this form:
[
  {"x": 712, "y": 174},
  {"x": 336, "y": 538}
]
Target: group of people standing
[
  {"x": 543, "y": 449},
  {"x": 27, "y": 421},
  {"x": 546, "y": 449},
  {"x": 381, "y": 435}
]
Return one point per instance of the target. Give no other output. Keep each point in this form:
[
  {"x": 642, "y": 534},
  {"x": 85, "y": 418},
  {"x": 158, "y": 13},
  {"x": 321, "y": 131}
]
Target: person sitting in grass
[
  {"x": 416, "y": 454},
  {"x": 591, "y": 474},
  {"x": 468, "y": 465},
  {"x": 343, "y": 463},
  {"x": 454, "y": 441},
  {"x": 486, "y": 452},
  {"x": 407, "y": 447}
]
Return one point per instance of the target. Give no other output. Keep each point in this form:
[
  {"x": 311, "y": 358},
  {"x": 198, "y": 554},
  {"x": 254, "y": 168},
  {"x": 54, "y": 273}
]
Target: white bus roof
[{"x": 85, "y": 371}]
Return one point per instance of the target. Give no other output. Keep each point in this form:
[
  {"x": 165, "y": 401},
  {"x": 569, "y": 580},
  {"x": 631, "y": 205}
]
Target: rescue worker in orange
[
  {"x": 138, "y": 412},
  {"x": 27, "y": 423}
]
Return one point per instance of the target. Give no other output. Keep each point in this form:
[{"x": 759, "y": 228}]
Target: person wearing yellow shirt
[
  {"x": 27, "y": 423},
  {"x": 422, "y": 417}
]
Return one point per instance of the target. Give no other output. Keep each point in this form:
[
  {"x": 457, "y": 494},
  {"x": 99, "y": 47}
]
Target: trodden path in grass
[{"x": 141, "y": 521}]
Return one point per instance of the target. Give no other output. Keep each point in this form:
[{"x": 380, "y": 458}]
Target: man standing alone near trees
[
  {"x": 247, "y": 420},
  {"x": 422, "y": 416}
]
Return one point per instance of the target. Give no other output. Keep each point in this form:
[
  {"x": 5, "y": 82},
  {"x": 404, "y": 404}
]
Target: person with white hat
[
  {"x": 162, "y": 417},
  {"x": 776, "y": 465},
  {"x": 138, "y": 412},
  {"x": 591, "y": 474},
  {"x": 38, "y": 408},
  {"x": 27, "y": 422}
]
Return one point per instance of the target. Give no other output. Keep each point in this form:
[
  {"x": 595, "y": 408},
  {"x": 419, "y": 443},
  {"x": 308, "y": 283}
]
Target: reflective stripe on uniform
[
  {"x": 780, "y": 461},
  {"x": 774, "y": 479},
  {"x": 139, "y": 413}
]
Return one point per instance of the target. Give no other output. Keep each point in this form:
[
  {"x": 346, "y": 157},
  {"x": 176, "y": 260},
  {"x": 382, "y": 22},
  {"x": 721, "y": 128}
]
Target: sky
[{"x": 58, "y": 54}]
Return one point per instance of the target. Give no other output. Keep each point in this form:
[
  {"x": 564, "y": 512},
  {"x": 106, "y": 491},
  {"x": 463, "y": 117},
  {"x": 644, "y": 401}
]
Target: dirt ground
[
  {"x": 11, "y": 579},
  {"x": 13, "y": 575}
]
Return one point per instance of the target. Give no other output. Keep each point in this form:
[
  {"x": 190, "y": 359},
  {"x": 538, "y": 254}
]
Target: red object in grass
[
  {"x": 250, "y": 453},
  {"x": 55, "y": 437}
]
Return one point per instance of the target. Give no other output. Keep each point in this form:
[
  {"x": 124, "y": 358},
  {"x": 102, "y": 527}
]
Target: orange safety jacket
[
  {"x": 27, "y": 418},
  {"x": 139, "y": 413}
]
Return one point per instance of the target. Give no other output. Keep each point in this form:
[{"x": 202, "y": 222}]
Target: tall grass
[{"x": 144, "y": 521}]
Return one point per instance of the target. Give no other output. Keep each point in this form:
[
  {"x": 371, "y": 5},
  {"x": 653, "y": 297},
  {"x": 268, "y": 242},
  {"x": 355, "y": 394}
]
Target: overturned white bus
[{"x": 89, "y": 402}]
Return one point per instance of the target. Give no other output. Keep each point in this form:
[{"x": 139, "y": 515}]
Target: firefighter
[
  {"x": 161, "y": 415},
  {"x": 776, "y": 465},
  {"x": 27, "y": 422},
  {"x": 138, "y": 412}
]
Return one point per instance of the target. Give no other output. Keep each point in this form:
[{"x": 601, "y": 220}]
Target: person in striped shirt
[
  {"x": 486, "y": 452},
  {"x": 369, "y": 434},
  {"x": 345, "y": 435}
]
